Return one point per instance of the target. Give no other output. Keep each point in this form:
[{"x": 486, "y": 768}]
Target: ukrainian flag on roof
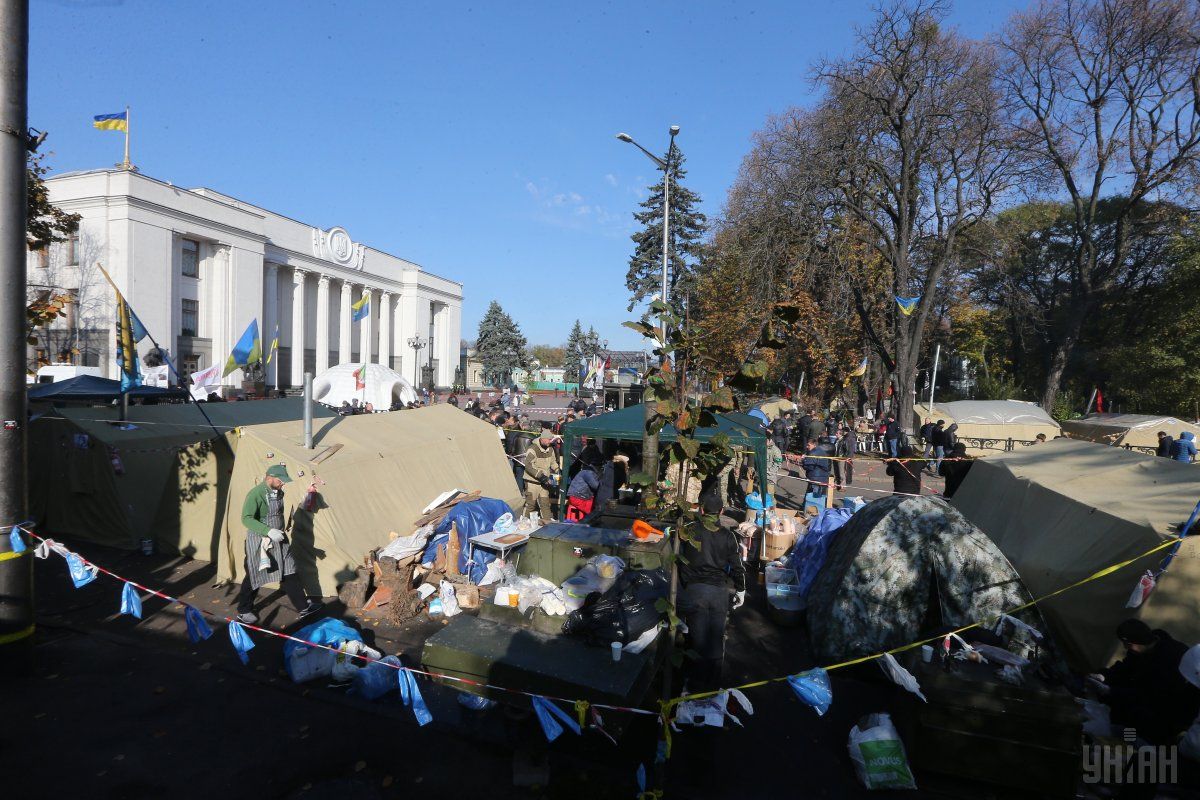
[{"x": 111, "y": 122}]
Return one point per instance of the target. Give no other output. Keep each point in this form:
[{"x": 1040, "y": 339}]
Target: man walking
[
  {"x": 268, "y": 552},
  {"x": 943, "y": 441},
  {"x": 778, "y": 431},
  {"x": 927, "y": 436},
  {"x": 846, "y": 448},
  {"x": 541, "y": 471},
  {"x": 713, "y": 580}
]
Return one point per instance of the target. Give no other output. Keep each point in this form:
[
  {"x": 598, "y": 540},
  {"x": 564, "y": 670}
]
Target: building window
[
  {"x": 191, "y": 363},
  {"x": 191, "y": 258},
  {"x": 41, "y": 256},
  {"x": 191, "y": 318},
  {"x": 71, "y": 247}
]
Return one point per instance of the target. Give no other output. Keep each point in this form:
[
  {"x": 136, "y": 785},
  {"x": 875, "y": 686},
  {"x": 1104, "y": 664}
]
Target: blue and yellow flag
[
  {"x": 274, "y": 344},
  {"x": 111, "y": 122},
  {"x": 907, "y": 304},
  {"x": 361, "y": 309},
  {"x": 130, "y": 331},
  {"x": 247, "y": 351}
]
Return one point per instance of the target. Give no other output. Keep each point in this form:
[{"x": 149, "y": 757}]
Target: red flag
[
  {"x": 360, "y": 377},
  {"x": 1099, "y": 401}
]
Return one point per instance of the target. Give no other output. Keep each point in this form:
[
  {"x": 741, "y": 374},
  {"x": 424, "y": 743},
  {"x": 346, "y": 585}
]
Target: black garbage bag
[{"x": 624, "y": 612}]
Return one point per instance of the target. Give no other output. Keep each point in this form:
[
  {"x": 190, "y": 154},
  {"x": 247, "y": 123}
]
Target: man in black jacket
[
  {"x": 1145, "y": 690},
  {"x": 927, "y": 436},
  {"x": 943, "y": 441},
  {"x": 1164, "y": 445},
  {"x": 891, "y": 436},
  {"x": 906, "y": 475},
  {"x": 713, "y": 578},
  {"x": 778, "y": 431},
  {"x": 955, "y": 468},
  {"x": 804, "y": 429}
]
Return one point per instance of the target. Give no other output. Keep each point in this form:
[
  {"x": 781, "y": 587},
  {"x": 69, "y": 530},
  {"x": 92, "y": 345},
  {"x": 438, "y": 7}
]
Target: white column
[
  {"x": 344, "y": 349},
  {"x": 385, "y": 329},
  {"x": 364, "y": 330},
  {"x": 270, "y": 320},
  {"x": 298, "y": 328},
  {"x": 322, "y": 324}
]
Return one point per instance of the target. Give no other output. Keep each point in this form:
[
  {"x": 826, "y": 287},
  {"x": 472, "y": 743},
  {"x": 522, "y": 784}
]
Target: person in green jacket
[{"x": 268, "y": 552}]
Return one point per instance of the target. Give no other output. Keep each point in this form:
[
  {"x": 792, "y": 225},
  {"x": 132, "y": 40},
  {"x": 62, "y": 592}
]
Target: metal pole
[
  {"x": 16, "y": 571},
  {"x": 937, "y": 354},
  {"x": 128, "y": 126},
  {"x": 308, "y": 399}
]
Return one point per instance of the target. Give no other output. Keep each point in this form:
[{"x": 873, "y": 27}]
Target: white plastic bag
[
  {"x": 308, "y": 663},
  {"x": 1145, "y": 586},
  {"x": 878, "y": 754},
  {"x": 900, "y": 675},
  {"x": 712, "y": 711},
  {"x": 449, "y": 600}
]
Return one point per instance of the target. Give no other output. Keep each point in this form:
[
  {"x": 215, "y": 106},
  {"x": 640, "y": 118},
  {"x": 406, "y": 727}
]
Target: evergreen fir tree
[
  {"x": 500, "y": 346},
  {"x": 686, "y": 230},
  {"x": 576, "y": 346}
]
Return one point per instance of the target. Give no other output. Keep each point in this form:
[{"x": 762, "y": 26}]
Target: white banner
[{"x": 203, "y": 380}]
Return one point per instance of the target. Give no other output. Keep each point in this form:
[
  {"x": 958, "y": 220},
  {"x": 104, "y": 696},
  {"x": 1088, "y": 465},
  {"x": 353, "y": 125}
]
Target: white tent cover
[
  {"x": 338, "y": 385},
  {"x": 993, "y": 412}
]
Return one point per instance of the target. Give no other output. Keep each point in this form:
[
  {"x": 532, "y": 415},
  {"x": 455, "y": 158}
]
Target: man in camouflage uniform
[{"x": 542, "y": 468}]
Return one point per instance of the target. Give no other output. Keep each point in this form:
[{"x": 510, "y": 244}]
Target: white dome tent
[{"x": 381, "y": 387}]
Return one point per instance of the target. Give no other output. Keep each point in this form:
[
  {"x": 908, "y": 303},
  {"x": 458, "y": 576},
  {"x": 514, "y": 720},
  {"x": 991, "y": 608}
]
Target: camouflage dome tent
[{"x": 901, "y": 569}]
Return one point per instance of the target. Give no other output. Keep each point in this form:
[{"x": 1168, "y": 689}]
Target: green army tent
[
  {"x": 1065, "y": 510},
  {"x": 161, "y": 475},
  {"x": 374, "y": 473},
  {"x": 743, "y": 430}
]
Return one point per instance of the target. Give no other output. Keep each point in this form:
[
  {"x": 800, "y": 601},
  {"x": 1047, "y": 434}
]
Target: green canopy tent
[{"x": 628, "y": 425}]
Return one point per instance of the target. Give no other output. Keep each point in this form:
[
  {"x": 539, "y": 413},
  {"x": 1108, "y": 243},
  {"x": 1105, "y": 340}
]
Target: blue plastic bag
[
  {"x": 813, "y": 689},
  {"x": 17, "y": 541},
  {"x": 410, "y": 695},
  {"x": 131, "y": 603},
  {"x": 241, "y": 641},
  {"x": 546, "y": 712},
  {"x": 377, "y": 678},
  {"x": 197, "y": 627},
  {"x": 81, "y": 573}
]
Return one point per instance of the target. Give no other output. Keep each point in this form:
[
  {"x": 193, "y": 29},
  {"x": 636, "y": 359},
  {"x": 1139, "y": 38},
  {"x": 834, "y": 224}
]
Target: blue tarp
[
  {"x": 809, "y": 555},
  {"x": 470, "y": 519}
]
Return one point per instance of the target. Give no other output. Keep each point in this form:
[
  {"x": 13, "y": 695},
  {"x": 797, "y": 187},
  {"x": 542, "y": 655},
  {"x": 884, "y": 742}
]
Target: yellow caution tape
[
  {"x": 6, "y": 638},
  {"x": 12, "y": 554}
]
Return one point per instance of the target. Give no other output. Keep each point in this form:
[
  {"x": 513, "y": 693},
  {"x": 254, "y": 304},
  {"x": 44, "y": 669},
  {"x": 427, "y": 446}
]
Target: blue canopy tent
[{"x": 93, "y": 389}]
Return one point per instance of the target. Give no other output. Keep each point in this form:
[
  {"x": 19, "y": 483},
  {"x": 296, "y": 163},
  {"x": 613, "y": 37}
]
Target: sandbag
[{"x": 624, "y": 612}]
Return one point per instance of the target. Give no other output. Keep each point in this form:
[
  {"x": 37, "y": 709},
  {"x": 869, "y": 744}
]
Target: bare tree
[
  {"x": 1105, "y": 96},
  {"x": 914, "y": 146},
  {"x": 80, "y": 336}
]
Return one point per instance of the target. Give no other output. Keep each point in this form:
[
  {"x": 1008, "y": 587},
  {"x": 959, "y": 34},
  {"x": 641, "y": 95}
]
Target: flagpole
[
  {"x": 170, "y": 364},
  {"x": 128, "y": 122}
]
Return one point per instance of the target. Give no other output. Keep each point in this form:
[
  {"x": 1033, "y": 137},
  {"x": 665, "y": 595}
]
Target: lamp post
[
  {"x": 416, "y": 343},
  {"x": 650, "y": 441}
]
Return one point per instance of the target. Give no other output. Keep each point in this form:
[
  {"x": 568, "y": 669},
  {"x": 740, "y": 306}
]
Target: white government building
[{"x": 197, "y": 266}]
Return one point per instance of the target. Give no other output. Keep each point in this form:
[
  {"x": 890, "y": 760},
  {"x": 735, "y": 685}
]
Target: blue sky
[{"x": 476, "y": 139}]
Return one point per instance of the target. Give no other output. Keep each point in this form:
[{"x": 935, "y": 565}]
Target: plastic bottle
[{"x": 114, "y": 458}]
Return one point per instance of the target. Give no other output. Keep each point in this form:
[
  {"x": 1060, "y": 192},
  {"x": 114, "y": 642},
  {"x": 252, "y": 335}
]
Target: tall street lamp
[
  {"x": 416, "y": 343},
  {"x": 625, "y": 137},
  {"x": 649, "y": 440}
]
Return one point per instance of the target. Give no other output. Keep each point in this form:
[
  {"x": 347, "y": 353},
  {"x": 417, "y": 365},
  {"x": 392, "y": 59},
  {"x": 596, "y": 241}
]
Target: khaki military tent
[
  {"x": 902, "y": 569},
  {"x": 375, "y": 473},
  {"x": 161, "y": 475},
  {"x": 993, "y": 422},
  {"x": 1067, "y": 509},
  {"x": 1133, "y": 430}
]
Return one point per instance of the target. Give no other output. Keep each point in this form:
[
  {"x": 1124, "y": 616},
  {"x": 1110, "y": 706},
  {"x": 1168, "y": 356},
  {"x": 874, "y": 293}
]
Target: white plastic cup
[
  {"x": 926, "y": 653},
  {"x": 616, "y": 651}
]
